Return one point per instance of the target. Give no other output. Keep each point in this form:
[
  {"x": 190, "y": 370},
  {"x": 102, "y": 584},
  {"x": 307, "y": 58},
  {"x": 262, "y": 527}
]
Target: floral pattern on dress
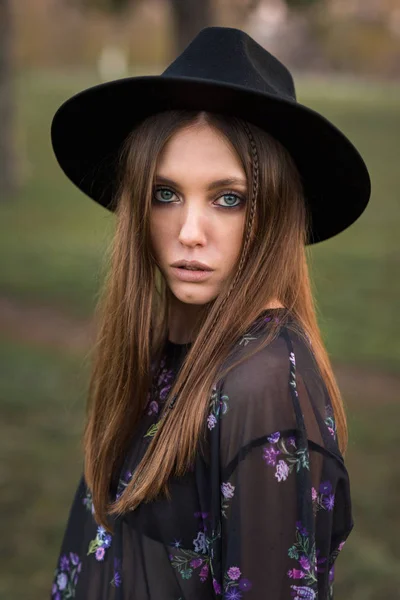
[
  {"x": 227, "y": 490},
  {"x": 158, "y": 395},
  {"x": 116, "y": 580},
  {"x": 330, "y": 420},
  {"x": 280, "y": 446},
  {"x": 309, "y": 562},
  {"x": 234, "y": 584},
  {"x": 200, "y": 558},
  {"x": 100, "y": 544},
  {"x": 162, "y": 386},
  {"x": 323, "y": 498},
  {"x": 218, "y": 407},
  {"x": 66, "y": 577}
]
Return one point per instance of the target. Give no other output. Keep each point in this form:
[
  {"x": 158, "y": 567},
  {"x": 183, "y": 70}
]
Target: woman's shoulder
[
  {"x": 272, "y": 384},
  {"x": 257, "y": 360}
]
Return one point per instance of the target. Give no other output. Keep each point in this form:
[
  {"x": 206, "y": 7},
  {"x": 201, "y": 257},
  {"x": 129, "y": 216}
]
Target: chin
[{"x": 188, "y": 294}]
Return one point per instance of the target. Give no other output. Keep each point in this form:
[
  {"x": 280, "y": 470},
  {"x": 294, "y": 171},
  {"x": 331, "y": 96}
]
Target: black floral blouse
[{"x": 263, "y": 514}]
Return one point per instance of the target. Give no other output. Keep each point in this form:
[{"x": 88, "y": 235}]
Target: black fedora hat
[{"x": 222, "y": 70}]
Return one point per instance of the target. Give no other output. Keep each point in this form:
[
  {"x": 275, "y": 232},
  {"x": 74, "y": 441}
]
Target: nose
[{"x": 192, "y": 226}]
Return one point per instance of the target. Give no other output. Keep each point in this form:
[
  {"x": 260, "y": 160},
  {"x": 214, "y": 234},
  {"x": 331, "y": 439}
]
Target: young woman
[{"x": 215, "y": 433}]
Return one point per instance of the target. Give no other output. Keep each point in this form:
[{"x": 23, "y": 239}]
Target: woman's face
[{"x": 193, "y": 217}]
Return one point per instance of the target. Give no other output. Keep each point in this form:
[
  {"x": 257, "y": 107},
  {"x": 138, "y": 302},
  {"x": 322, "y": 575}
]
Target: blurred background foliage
[{"x": 344, "y": 56}]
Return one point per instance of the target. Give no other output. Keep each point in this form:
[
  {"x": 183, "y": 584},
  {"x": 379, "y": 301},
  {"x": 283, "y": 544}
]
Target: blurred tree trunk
[
  {"x": 189, "y": 16},
  {"x": 7, "y": 155}
]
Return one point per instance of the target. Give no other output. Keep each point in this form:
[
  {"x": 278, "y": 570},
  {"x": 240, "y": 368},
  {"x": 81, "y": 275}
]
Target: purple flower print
[
  {"x": 303, "y": 592},
  {"x": 329, "y": 502},
  {"x": 196, "y": 562},
  {"x": 62, "y": 581},
  {"x": 100, "y": 553},
  {"x": 99, "y": 545},
  {"x": 296, "y": 574},
  {"x": 200, "y": 543},
  {"x": 75, "y": 559},
  {"x": 117, "y": 579},
  {"x": 270, "y": 454},
  {"x": 64, "y": 563},
  {"x": 325, "y": 487},
  {"x": 164, "y": 392},
  {"x": 234, "y": 573},
  {"x": 235, "y": 584},
  {"x": 274, "y": 437},
  {"x": 165, "y": 376},
  {"x": 217, "y": 587},
  {"x": 304, "y": 551},
  {"x": 325, "y": 499},
  {"x": 204, "y": 573},
  {"x": 300, "y": 528},
  {"x": 66, "y": 577},
  {"x": 153, "y": 408},
  {"x": 245, "y": 584},
  {"x": 227, "y": 490},
  {"x": 305, "y": 563},
  {"x": 233, "y": 594},
  {"x": 211, "y": 421},
  {"x": 282, "y": 471}
]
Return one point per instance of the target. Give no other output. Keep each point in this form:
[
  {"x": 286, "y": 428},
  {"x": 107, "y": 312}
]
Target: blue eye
[
  {"x": 167, "y": 195},
  {"x": 165, "y": 200},
  {"x": 235, "y": 197}
]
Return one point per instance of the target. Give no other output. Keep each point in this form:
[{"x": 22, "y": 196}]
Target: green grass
[{"x": 42, "y": 403}]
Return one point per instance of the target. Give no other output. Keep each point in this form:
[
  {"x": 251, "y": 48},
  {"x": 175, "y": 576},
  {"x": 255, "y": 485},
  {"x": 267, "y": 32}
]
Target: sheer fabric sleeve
[{"x": 285, "y": 509}]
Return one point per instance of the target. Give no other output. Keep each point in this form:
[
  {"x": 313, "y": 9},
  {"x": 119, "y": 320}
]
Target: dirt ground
[{"x": 43, "y": 325}]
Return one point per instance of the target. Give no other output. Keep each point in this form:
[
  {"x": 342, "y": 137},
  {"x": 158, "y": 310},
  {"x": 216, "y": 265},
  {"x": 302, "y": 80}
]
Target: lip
[
  {"x": 186, "y": 275},
  {"x": 191, "y": 263}
]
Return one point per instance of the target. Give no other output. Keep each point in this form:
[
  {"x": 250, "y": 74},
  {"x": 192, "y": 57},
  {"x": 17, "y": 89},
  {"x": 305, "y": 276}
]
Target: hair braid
[{"x": 255, "y": 182}]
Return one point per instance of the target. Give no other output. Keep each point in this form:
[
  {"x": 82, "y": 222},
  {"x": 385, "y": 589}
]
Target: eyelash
[{"x": 226, "y": 193}]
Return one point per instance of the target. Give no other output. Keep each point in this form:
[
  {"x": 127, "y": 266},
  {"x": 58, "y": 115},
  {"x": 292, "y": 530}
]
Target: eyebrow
[{"x": 211, "y": 186}]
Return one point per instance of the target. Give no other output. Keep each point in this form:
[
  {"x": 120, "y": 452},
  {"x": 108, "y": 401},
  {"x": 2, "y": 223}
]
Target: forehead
[{"x": 199, "y": 151}]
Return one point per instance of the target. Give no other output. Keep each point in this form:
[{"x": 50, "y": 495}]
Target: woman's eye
[
  {"x": 231, "y": 200},
  {"x": 165, "y": 194}
]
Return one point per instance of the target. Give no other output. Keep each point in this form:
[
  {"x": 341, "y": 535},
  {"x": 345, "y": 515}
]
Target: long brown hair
[{"x": 132, "y": 311}]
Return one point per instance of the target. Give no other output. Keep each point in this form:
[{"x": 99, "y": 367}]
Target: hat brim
[{"x": 88, "y": 129}]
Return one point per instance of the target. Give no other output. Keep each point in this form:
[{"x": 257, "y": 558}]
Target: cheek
[{"x": 231, "y": 240}]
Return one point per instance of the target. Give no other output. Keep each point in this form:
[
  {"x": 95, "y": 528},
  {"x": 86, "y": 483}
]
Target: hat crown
[{"x": 229, "y": 55}]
